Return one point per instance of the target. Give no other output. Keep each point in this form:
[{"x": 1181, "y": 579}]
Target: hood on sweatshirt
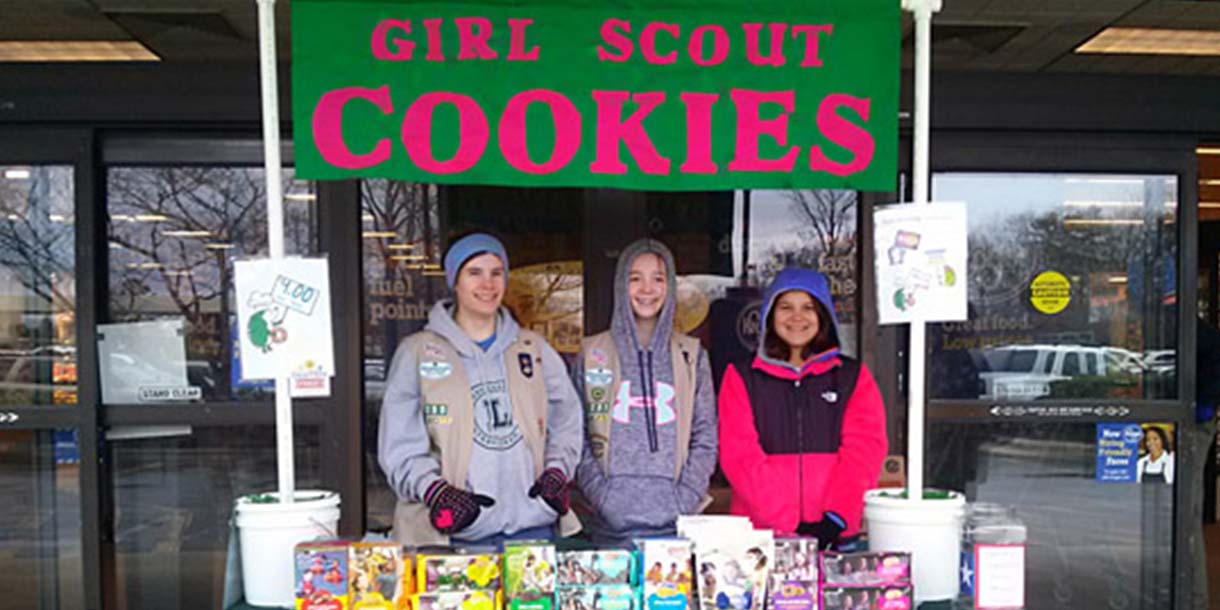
[
  {"x": 441, "y": 322},
  {"x": 815, "y": 285},
  {"x": 622, "y": 325}
]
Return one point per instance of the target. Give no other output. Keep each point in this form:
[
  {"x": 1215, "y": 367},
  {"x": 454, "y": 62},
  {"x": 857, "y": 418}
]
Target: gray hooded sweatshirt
[
  {"x": 640, "y": 497},
  {"x": 501, "y": 465}
]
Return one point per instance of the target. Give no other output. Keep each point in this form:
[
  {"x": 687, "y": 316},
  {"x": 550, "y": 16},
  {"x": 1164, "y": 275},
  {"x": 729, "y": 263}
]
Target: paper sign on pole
[
  {"x": 283, "y": 309},
  {"x": 921, "y": 262}
]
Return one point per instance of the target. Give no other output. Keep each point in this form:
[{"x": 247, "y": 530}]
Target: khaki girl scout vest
[
  {"x": 449, "y": 414},
  {"x": 602, "y": 366}
]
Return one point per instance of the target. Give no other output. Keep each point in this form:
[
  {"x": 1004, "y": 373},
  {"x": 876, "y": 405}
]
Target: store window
[
  {"x": 1072, "y": 289},
  {"x": 174, "y": 234},
  {"x": 40, "y": 535},
  {"x": 174, "y": 489},
  {"x": 37, "y": 286},
  {"x": 1110, "y": 546}
]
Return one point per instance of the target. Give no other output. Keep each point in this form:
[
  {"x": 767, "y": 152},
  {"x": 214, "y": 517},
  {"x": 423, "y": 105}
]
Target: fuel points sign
[{"x": 1050, "y": 292}]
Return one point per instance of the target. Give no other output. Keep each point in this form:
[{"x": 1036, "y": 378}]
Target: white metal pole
[
  {"x": 275, "y": 230},
  {"x": 917, "y": 352}
]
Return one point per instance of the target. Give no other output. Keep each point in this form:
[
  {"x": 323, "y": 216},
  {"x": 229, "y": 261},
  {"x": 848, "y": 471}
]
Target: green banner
[{"x": 677, "y": 95}]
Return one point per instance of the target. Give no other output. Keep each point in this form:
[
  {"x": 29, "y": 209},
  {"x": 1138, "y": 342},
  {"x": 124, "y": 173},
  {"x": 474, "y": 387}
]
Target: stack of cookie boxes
[
  {"x": 458, "y": 581},
  {"x": 343, "y": 575},
  {"x": 597, "y": 580},
  {"x": 866, "y": 581}
]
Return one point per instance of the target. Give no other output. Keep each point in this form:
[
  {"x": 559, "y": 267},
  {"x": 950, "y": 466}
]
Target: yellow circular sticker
[{"x": 1050, "y": 292}]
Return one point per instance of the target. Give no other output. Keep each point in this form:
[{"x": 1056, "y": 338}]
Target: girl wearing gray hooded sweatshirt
[
  {"x": 650, "y": 407},
  {"x": 481, "y": 428}
]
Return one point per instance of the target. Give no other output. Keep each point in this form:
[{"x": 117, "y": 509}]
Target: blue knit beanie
[{"x": 469, "y": 247}]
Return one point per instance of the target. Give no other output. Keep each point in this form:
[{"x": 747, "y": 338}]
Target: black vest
[{"x": 802, "y": 416}]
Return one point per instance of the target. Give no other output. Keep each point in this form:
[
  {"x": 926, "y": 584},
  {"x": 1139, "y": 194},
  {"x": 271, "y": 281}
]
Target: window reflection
[
  {"x": 174, "y": 234},
  {"x": 37, "y": 286},
  {"x": 1072, "y": 288}
]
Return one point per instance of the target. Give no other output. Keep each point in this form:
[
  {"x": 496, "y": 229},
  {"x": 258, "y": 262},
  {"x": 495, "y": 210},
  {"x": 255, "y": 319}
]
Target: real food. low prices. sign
[{"x": 678, "y": 95}]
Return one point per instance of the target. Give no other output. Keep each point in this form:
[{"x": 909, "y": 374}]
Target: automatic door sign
[{"x": 1050, "y": 292}]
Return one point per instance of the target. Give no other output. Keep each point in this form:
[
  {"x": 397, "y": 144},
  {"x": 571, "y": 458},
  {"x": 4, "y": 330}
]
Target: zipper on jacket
[
  {"x": 800, "y": 448},
  {"x": 646, "y": 394}
]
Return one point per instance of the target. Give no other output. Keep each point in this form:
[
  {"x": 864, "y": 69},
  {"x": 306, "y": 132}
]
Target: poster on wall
[
  {"x": 283, "y": 310},
  {"x": 921, "y": 257}
]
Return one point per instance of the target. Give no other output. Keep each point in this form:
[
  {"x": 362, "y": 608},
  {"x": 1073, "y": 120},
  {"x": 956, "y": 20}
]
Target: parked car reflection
[{"x": 1028, "y": 372}]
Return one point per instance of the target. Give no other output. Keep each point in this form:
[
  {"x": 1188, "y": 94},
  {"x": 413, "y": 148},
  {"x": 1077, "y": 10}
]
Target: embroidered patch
[
  {"x": 830, "y": 396},
  {"x": 433, "y": 351},
  {"x": 527, "y": 365},
  {"x": 435, "y": 413},
  {"x": 597, "y": 445},
  {"x": 599, "y": 377},
  {"x": 599, "y": 407},
  {"x": 599, "y": 357},
  {"x": 597, "y": 393},
  {"x": 435, "y": 369}
]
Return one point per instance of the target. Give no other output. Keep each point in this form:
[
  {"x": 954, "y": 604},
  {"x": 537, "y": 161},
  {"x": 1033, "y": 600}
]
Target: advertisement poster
[
  {"x": 921, "y": 262},
  {"x": 1156, "y": 463},
  {"x": 283, "y": 310},
  {"x": 1117, "y": 452}
]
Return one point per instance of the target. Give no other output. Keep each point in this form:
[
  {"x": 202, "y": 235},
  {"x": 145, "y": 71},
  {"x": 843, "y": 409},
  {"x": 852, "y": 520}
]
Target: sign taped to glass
[
  {"x": 639, "y": 96},
  {"x": 283, "y": 310}
]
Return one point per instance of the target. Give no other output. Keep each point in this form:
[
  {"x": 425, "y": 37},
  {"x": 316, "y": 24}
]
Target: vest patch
[
  {"x": 437, "y": 413},
  {"x": 830, "y": 396},
  {"x": 435, "y": 369},
  {"x": 599, "y": 377},
  {"x": 597, "y": 445},
  {"x": 597, "y": 393},
  {"x": 527, "y": 365},
  {"x": 599, "y": 357}
]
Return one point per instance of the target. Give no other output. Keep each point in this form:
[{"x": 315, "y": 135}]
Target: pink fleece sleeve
[
  {"x": 756, "y": 484},
  {"x": 862, "y": 450}
]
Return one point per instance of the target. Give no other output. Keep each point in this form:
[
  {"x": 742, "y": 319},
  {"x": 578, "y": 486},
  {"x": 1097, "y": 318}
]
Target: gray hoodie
[
  {"x": 501, "y": 465},
  {"x": 640, "y": 496}
]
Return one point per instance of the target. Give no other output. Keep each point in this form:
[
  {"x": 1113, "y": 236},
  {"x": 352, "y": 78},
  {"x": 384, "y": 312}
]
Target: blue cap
[{"x": 467, "y": 248}]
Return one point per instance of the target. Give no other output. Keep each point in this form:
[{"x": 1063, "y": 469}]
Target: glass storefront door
[
  {"x": 40, "y": 537},
  {"x": 1073, "y": 335}
]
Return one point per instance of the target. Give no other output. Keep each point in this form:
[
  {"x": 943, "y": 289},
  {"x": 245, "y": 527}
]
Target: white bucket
[
  {"x": 270, "y": 531},
  {"x": 931, "y": 530}
]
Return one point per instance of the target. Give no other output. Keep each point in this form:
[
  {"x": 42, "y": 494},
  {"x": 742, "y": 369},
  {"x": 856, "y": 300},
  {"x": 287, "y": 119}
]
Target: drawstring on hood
[
  {"x": 815, "y": 285},
  {"x": 626, "y": 333}
]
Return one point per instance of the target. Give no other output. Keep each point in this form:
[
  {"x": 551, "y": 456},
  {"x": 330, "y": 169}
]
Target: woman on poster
[
  {"x": 650, "y": 405},
  {"x": 1156, "y": 465},
  {"x": 480, "y": 427},
  {"x": 801, "y": 412}
]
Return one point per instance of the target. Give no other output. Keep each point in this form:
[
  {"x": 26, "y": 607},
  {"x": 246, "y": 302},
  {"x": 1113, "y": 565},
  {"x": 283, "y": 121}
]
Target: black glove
[
  {"x": 453, "y": 509},
  {"x": 826, "y": 531},
  {"x": 552, "y": 485}
]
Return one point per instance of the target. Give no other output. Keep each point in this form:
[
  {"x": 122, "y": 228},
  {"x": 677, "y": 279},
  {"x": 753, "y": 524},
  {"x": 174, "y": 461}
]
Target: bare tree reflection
[{"x": 174, "y": 232}]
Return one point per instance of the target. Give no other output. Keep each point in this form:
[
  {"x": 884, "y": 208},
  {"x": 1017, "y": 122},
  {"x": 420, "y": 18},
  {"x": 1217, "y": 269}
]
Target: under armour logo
[
  {"x": 830, "y": 396},
  {"x": 624, "y": 402}
]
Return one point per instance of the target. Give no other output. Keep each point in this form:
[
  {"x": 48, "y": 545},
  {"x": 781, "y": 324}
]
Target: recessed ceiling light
[
  {"x": 1153, "y": 41},
  {"x": 74, "y": 50}
]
